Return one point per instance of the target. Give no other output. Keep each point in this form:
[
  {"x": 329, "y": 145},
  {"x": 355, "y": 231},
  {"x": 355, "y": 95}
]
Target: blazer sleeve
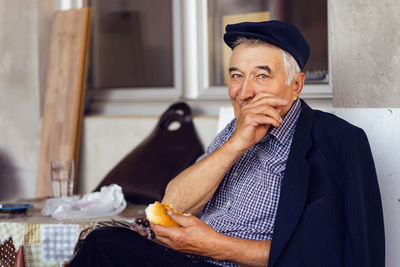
[{"x": 365, "y": 239}]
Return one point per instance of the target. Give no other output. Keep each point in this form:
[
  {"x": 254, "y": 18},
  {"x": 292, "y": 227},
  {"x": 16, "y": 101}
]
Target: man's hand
[
  {"x": 194, "y": 236},
  {"x": 255, "y": 118}
]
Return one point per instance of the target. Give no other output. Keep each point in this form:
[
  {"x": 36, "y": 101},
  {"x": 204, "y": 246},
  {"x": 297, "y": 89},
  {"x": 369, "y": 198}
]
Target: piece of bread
[{"x": 157, "y": 213}]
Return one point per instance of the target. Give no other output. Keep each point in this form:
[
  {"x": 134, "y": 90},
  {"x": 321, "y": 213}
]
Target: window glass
[{"x": 132, "y": 44}]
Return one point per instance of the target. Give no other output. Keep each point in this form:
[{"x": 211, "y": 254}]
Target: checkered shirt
[{"x": 246, "y": 201}]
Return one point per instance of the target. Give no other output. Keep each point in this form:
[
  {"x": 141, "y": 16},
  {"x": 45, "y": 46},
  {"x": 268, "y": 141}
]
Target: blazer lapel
[{"x": 294, "y": 184}]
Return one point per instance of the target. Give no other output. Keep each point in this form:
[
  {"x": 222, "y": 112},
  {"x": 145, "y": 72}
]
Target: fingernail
[{"x": 169, "y": 212}]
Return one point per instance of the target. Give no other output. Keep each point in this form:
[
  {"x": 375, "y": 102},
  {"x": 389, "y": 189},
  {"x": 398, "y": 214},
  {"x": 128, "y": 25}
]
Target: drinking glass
[{"x": 62, "y": 177}]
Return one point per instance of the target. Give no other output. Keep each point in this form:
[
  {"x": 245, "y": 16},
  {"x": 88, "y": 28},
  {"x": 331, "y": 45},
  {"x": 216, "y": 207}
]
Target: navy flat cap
[{"x": 277, "y": 33}]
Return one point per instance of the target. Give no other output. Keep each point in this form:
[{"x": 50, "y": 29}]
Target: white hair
[{"x": 289, "y": 63}]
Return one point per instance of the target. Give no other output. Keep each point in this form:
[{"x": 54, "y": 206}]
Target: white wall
[
  {"x": 19, "y": 91},
  {"x": 365, "y": 53}
]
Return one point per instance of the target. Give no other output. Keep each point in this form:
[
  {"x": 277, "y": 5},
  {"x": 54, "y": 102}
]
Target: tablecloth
[{"x": 47, "y": 242}]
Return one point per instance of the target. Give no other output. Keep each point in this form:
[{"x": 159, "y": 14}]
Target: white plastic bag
[{"x": 109, "y": 201}]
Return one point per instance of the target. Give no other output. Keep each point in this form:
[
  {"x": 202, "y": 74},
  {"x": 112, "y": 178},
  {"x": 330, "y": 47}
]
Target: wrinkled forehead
[{"x": 260, "y": 53}]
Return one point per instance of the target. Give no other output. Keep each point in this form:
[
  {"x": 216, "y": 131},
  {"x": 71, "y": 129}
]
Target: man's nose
[{"x": 247, "y": 91}]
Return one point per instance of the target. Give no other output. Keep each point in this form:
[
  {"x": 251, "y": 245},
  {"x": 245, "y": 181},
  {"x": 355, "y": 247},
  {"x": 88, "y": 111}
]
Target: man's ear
[{"x": 298, "y": 83}]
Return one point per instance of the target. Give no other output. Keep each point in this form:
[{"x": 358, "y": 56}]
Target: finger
[
  {"x": 268, "y": 100},
  {"x": 170, "y": 236},
  {"x": 269, "y": 97},
  {"x": 169, "y": 243},
  {"x": 183, "y": 220},
  {"x": 165, "y": 231},
  {"x": 270, "y": 107},
  {"x": 258, "y": 120},
  {"x": 261, "y": 95},
  {"x": 164, "y": 240},
  {"x": 264, "y": 110}
]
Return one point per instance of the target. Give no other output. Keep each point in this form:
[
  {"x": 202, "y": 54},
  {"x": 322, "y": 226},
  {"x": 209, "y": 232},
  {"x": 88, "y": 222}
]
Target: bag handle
[{"x": 180, "y": 112}]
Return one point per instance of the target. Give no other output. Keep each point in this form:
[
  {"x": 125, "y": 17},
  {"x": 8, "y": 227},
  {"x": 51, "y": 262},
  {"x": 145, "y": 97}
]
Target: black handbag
[{"x": 145, "y": 172}]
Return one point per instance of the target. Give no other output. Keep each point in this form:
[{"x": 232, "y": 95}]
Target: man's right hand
[
  {"x": 193, "y": 188},
  {"x": 254, "y": 119}
]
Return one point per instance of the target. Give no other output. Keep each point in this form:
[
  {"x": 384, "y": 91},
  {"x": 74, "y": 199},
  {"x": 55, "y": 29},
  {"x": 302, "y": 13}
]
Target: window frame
[
  {"x": 208, "y": 92},
  {"x": 100, "y": 97}
]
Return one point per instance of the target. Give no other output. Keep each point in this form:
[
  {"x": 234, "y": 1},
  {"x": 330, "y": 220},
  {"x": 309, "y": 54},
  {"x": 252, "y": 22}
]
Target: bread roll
[{"x": 157, "y": 213}]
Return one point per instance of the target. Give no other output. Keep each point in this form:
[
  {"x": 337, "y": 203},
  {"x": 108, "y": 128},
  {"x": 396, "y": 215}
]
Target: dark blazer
[{"x": 330, "y": 211}]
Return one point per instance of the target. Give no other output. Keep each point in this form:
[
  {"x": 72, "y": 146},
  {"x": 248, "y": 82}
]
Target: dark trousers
[{"x": 113, "y": 246}]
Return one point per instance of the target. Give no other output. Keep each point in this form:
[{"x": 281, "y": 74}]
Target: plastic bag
[{"x": 109, "y": 201}]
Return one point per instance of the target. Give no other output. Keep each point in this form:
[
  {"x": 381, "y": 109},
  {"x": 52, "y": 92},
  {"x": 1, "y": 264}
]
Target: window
[
  {"x": 160, "y": 51},
  {"x": 135, "y": 54}
]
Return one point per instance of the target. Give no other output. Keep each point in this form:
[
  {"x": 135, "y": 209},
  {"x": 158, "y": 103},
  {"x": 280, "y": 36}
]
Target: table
[{"x": 44, "y": 241}]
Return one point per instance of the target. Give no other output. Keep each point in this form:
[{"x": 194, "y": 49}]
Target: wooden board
[{"x": 65, "y": 93}]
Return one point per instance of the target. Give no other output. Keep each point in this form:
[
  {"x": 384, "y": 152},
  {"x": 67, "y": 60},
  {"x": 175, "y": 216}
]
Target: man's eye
[
  {"x": 262, "y": 76},
  {"x": 235, "y": 76}
]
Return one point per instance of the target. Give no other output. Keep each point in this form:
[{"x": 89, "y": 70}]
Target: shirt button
[
  {"x": 228, "y": 204},
  {"x": 235, "y": 174}
]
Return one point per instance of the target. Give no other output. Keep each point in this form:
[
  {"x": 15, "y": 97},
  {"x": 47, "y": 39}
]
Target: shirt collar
[{"x": 282, "y": 132}]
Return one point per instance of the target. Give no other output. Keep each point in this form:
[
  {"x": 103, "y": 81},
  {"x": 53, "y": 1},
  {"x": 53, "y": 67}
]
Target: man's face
[{"x": 258, "y": 69}]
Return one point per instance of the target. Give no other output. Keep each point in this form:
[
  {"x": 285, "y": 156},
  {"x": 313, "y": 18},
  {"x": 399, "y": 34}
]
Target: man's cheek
[{"x": 236, "y": 109}]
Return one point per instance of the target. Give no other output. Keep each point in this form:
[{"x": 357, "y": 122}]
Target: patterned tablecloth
[{"x": 46, "y": 241}]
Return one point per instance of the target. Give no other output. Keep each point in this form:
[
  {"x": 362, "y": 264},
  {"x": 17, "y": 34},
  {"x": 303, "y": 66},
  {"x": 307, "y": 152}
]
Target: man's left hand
[{"x": 193, "y": 236}]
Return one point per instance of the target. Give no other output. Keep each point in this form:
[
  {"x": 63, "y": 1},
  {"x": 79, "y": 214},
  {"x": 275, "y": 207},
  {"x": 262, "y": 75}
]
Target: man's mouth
[{"x": 242, "y": 103}]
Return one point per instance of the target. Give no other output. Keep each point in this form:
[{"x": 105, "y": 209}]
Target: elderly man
[{"x": 281, "y": 185}]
